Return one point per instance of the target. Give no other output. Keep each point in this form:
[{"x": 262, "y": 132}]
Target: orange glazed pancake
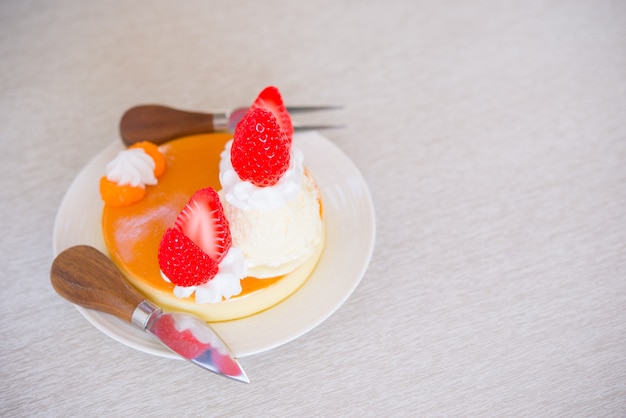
[{"x": 133, "y": 232}]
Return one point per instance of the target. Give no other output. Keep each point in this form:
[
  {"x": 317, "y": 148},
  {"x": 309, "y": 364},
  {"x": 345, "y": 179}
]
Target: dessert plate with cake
[{"x": 262, "y": 233}]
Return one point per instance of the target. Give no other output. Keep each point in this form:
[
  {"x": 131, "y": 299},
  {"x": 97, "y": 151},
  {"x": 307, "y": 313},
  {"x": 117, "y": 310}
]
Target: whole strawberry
[{"x": 260, "y": 150}]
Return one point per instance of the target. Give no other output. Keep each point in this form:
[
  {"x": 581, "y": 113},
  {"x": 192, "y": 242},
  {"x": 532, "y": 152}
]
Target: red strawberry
[
  {"x": 260, "y": 150},
  {"x": 270, "y": 99},
  {"x": 183, "y": 262},
  {"x": 183, "y": 343},
  {"x": 203, "y": 221}
]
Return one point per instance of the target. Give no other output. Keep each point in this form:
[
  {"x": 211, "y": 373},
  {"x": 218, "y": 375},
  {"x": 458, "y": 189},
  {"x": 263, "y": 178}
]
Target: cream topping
[
  {"x": 132, "y": 167},
  {"x": 245, "y": 195},
  {"x": 225, "y": 284}
]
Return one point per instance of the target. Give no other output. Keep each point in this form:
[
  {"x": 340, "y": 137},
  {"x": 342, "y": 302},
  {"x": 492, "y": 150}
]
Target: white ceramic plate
[{"x": 351, "y": 229}]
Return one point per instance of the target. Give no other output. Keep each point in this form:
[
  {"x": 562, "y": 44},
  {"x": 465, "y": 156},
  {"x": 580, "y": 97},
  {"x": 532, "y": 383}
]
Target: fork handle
[{"x": 158, "y": 124}]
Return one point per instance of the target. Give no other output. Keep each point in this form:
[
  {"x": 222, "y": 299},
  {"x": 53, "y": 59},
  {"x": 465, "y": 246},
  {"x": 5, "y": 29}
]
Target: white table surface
[{"x": 493, "y": 138}]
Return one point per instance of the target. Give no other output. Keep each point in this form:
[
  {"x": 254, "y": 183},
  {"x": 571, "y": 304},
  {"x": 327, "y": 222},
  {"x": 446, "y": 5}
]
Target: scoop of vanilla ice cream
[
  {"x": 276, "y": 241},
  {"x": 278, "y": 231}
]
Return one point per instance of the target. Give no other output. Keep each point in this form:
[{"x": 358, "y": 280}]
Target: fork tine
[
  {"x": 303, "y": 109},
  {"x": 300, "y": 128}
]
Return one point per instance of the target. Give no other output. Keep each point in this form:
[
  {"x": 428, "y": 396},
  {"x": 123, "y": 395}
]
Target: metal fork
[{"x": 158, "y": 124}]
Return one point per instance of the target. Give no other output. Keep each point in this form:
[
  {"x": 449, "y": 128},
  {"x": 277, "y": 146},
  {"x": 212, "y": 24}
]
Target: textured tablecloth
[{"x": 492, "y": 135}]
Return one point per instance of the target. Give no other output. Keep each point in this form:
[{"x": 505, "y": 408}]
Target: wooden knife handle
[
  {"x": 86, "y": 277},
  {"x": 158, "y": 124}
]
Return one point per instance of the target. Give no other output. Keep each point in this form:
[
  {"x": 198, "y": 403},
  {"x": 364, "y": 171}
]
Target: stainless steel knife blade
[{"x": 191, "y": 338}]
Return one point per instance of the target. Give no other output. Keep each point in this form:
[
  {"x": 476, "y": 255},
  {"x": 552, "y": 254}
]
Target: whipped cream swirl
[
  {"x": 245, "y": 195},
  {"x": 132, "y": 167}
]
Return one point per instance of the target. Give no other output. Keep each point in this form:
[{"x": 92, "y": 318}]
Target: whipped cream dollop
[
  {"x": 132, "y": 167},
  {"x": 225, "y": 284},
  {"x": 247, "y": 196}
]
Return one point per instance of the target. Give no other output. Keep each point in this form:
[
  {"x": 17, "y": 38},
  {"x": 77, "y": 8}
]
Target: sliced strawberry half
[
  {"x": 260, "y": 149},
  {"x": 183, "y": 262},
  {"x": 270, "y": 99},
  {"x": 203, "y": 221}
]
